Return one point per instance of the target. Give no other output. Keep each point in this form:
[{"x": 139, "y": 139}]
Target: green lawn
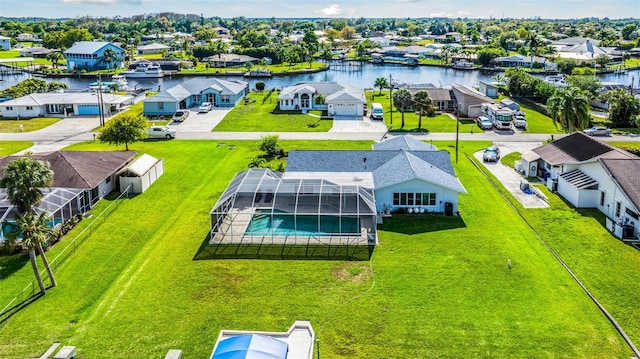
[
  {"x": 265, "y": 117},
  {"x": 440, "y": 287},
  {"x": 8, "y": 125},
  {"x": 11, "y": 147},
  {"x": 536, "y": 121},
  {"x": 202, "y": 68}
]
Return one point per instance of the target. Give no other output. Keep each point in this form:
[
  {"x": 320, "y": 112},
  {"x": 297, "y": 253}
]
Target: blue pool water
[{"x": 289, "y": 225}]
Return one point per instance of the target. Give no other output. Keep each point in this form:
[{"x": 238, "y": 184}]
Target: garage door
[
  {"x": 88, "y": 110},
  {"x": 346, "y": 110}
]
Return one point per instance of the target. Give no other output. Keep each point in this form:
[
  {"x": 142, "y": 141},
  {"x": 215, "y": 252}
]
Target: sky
[{"x": 549, "y": 9}]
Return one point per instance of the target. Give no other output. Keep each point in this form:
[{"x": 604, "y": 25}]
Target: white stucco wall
[
  {"x": 22, "y": 111},
  {"x": 384, "y": 196}
]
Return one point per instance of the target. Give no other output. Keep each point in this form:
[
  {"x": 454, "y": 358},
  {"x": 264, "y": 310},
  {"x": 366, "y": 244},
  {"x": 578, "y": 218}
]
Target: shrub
[
  {"x": 270, "y": 145},
  {"x": 260, "y": 86}
]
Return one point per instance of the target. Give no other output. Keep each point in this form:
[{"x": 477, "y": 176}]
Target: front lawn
[
  {"x": 439, "y": 287},
  {"x": 9, "y": 125},
  {"x": 536, "y": 121},
  {"x": 11, "y": 147},
  {"x": 266, "y": 117}
]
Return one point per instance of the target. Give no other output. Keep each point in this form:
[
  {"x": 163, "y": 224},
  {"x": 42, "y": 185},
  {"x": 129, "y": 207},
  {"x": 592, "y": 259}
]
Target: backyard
[
  {"x": 440, "y": 287},
  {"x": 261, "y": 114}
]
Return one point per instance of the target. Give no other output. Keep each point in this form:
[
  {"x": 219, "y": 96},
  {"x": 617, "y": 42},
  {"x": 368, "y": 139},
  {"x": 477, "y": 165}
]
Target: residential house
[
  {"x": 340, "y": 101},
  {"x": 584, "y": 52},
  {"x": 518, "y": 61},
  {"x": 89, "y": 55},
  {"x": 60, "y": 104},
  {"x": 192, "y": 93},
  {"x": 36, "y": 52},
  {"x": 441, "y": 98},
  {"x": 81, "y": 179},
  {"x": 231, "y": 60},
  {"x": 154, "y": 48},
  {"x": 27, "y": 37},
  {"x": 589, "y": 173},
  {"x": 5, "y": 43},
  {"x": 489, "y": 89},
  {"x": 448, "y": 37},
  {"x": 469, "y": 101}
]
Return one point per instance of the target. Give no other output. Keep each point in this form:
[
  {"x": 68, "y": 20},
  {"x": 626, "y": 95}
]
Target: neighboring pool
[
  {"x": 285, "y": 225},
  {"x": 8, "y": 226}
]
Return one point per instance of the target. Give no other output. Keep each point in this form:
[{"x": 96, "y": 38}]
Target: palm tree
[
  {"x": 421, "y": 102},
  {"x": 35, "y": 231},
  {"x": 23, "y": 179},
  {"x": 532, "y": 39},
  {"x": 402, "y": 101},
  {"x": 55, "y": 58},
  {"x": 109, "y": 56},
  {"x": 570, "y": 107},
  {"x": 381, "y": 82}
]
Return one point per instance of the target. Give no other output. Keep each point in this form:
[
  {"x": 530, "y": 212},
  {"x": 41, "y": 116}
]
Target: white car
[
  {"x": 162, "y": 132},
  {"x": 205, "y": 107},
  {"x": 598, "y": 131}
]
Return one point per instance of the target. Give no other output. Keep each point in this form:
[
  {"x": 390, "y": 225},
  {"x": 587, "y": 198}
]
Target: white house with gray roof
[
  {"x": 340, "y": 101},
  {"x": 58, "y": 104},
  {"x": 192, "y": 93}
]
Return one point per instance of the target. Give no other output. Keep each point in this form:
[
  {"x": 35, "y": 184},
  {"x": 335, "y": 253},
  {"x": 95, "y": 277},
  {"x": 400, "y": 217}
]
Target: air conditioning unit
[{"x": 518, "y": 166}]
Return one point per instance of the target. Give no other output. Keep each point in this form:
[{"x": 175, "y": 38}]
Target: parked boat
[
  {"x": 145, "y": 70},
  {"x": 118, "y": 82}
]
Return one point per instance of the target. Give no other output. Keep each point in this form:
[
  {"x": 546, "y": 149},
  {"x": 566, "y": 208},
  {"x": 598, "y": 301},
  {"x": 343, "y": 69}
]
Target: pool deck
[{"x": 233, "y": 230}]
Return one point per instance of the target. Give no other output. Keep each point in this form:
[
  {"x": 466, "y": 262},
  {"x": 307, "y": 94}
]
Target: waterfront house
[
  {"x": 340, "y": 101},
  {"x": 469, "y": 101},
  {"x": 518, "y": 60},
  {"x": 5, "y": 43},
  {"x": 231, "y": 60},
  {"x": 89, "y": 55},
  {"x": 192, "y": 93},
  {"x": 154, "y": 48}
]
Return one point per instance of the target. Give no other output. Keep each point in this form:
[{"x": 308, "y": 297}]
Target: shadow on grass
[
  {"x": 270, "y": 251},
  {"x": 420, "y": 223},
  {"x": 11, "y": 311},
  {"x": 11, "y": 264}
]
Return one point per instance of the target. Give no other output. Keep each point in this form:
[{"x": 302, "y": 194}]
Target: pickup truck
[{"x": 162, "y": 132}]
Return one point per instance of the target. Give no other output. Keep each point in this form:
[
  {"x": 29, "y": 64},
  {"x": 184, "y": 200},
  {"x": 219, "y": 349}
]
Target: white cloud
[
  {"x": 331, "y": 10},
  {"x": 440, "y": 14},
  {"x": 464, "y": 13},
  {"x": 105, "y": 2}
]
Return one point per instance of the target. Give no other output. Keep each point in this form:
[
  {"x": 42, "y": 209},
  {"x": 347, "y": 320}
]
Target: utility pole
[
  {"x": 457, "y": 129},
  {"x": 100, "y": 102},
  {"x": 391, "y": 100}
]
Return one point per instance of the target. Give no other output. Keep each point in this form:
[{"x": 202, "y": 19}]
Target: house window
[
  {"x": 160, "y": 105},
  {"x": 29, "y": 108},
  {"x": 410, "y": 197},
  {"x": 225, "y": 98},
  {"x": 602, "y": 198},
  {"x": 618, "y": 207},
  {"x": 414, "y": 199},
  {"x": 9, "y": 108},
  {"x": 108, "y": 180},
  {"x": 631, "y": 214}
]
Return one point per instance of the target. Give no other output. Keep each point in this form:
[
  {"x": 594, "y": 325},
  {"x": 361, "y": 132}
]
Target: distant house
[
  {"x": 489, "y": 89},
  {"x": 518, "y": 61},
  {"x": 448, "y": 37},
  {"x": 27, "y": 37},
  {"x": 469, "y": 101},
  {"x": 5, "y": 43},
  {"x": 231, "y": 60},
  {"x": 59, "y": 104},
  {"x": 36, "y": 52},
  {"x": 340, "y": 101},
  {"x": 583, "y": 52},
  {"x": 589, "y": 173},
  {"x": 154, "y": 48},
  {"x": 441, "y": 98},
  {"x": 89, "y": 55},
  {"x": 192, "y": 93}
]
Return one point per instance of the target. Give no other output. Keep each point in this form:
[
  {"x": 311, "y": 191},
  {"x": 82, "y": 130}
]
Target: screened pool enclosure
[{"x": 260, "y": 206}]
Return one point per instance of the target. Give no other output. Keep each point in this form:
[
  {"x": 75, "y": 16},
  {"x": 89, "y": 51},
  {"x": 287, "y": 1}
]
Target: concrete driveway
[
  {"x": 364, "y": 125},
  {"x": 508, "y": 177},
  {"x": 205, "y": 121}
]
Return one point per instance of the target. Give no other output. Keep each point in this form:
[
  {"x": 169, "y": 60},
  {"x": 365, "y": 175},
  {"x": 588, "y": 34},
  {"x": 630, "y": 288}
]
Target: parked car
[
  {"x": 491, "y": 154},
  {"x": 205, "y": 107},
  {"x": 181, "y": 115},
  {"x": 520, "y": 122},
  {"x": 162, "y": 132},
  {"x": 484, "y": 123},
  {"x": 598, "y": 131}
]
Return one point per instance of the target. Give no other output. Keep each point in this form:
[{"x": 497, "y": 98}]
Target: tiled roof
[
  {"x": 80, "y": 169},
  {"x": 626, "y": 173}
]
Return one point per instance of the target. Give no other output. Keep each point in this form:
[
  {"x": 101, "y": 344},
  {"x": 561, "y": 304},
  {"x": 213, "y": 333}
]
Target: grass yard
[
  {"x": 440, "y": 287},
  {"x": 536, "y": 121},
  {"x": 11, "y": 147},
  {"x": 202, "y": 68},
  {"x": 28, "y": 125},
  {"x": 265, "y": 117}
]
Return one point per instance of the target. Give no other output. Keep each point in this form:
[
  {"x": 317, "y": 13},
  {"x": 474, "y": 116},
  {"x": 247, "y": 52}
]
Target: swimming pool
[{"x": 286, "y": 224}]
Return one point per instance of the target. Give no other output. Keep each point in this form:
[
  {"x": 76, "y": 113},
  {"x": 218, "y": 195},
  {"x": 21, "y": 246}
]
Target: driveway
[
  {"x": 508, "y": 177},
  {"x": 205, "y": 121},
  {"x": 364, "y": 125}
]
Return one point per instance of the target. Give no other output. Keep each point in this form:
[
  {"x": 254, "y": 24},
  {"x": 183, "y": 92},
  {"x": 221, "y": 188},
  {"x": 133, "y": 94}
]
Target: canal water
[{"x": 364, "y": 78}]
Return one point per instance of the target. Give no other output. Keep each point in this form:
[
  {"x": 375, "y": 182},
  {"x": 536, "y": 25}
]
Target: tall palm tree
[
  {"x": 381, "y": 82},
  {"x": 402, "y": 101},
  {"x": 570, "y": 107},
  {"x": 35, "y": 230},
  {"x": 109, "y": 56},
  {"x": 55, "y": 58},
  {"x": 532, "y": 39},
  {"x": 421, "y": 102},
  {"x": 23, "y": 179}
]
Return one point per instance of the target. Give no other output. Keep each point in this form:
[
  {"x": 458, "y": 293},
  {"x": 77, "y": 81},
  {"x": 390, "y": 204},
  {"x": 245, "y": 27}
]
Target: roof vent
[{"x": 364, "y": 159}]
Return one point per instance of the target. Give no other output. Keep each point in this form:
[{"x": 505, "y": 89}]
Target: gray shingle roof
[
  {"x": 332, "y": 91},
  {"x": 195, "y": 86},
  {"x": 578, "y": 147},
  {"x": 388, "y": 167},
  {"x": 404, "y": 142},
  {"x": 626, "y": 173}
]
